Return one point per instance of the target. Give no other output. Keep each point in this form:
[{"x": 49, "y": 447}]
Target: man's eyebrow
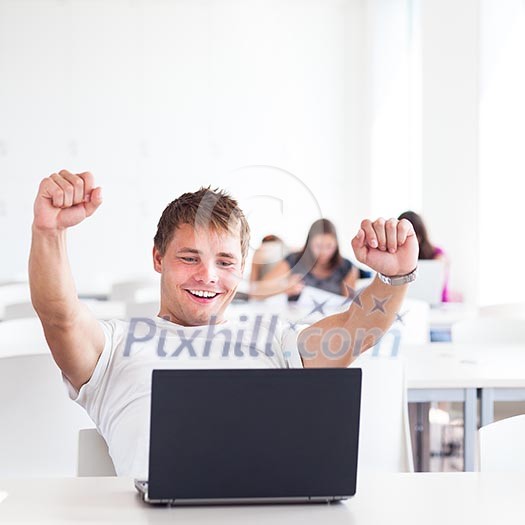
[
  {"x": 188, "y": 250},
  {"x": 227, "y": 255}
]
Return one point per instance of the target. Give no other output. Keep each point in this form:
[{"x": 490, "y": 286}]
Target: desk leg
[
  {"x": 487, "y": 406},
  {"x": 470, "y": 429},
  {"x": 420, "y": 435}
]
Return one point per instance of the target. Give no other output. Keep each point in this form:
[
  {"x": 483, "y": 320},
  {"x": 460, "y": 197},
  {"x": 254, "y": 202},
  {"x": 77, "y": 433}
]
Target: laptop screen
[{"x": 222, "y": 434}]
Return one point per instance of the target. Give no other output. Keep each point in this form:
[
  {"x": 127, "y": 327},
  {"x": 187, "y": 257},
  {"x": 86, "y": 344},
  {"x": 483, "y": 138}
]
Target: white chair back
[
  {"x": 489, "y": 330},
  {"x": 106, "y": 309},
  {"x": 40, "y": 424},
  {"x": 19, "y": 311},
  {"x": 13, "y": 293},
  {"x": 93, "y": 455},
  {"x": 147, "y": 309},
  {"x": 140, "y": 290},
  {"x": 100, "y": 309},
  {"x": 501, "y": 446},
  {"x": 384, "y": 441},
  {"x": 22, "y": 337}
]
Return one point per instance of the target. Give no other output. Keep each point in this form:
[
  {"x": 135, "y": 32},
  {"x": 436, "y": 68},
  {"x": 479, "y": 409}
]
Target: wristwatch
[{"x": 399, "y": 279}]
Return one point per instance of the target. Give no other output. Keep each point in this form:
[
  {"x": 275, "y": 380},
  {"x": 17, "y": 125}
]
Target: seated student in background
[
  {"x": 267, "y": 256},
  {"x": 318, "y": 264},
  {"x": 427, "y": 251},
  {"x": 199, "y": 251}
]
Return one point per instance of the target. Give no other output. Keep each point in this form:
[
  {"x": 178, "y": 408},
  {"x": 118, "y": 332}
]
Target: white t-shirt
[{"x": 117, "y": 397}]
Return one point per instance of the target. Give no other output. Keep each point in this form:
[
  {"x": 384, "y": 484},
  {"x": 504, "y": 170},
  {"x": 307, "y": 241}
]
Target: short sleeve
[{"x": 108, "y": 327}]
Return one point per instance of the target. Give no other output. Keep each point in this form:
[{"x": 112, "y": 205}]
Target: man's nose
[{"x": 207, "y": 273}]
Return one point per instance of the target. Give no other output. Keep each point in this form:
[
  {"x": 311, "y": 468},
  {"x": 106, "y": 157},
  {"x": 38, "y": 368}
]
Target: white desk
[
  {"x": 407, "y": 499},
  {"x": 458, "y": 372},
  {"x": 443, "y": 316}
]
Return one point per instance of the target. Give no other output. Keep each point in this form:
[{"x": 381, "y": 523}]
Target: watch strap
[{"x": 398, "y": 280}]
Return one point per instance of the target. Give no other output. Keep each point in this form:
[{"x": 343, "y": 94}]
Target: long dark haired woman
[{"x": 318, "y": 264}]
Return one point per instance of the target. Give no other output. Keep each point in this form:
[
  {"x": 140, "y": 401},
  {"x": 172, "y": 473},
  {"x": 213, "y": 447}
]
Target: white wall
[
  {"x": 394, "y": 106},
  {"x": 473, "y": 82},
  {"x": 302, "y": 108},
  {"x": 450, "y": 86},
  {"x": 502, "y": 161},
  {"x": 157, "y": 98}
]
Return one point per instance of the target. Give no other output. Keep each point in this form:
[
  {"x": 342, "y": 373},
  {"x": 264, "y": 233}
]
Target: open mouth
[{"x": 203, "y": 296}]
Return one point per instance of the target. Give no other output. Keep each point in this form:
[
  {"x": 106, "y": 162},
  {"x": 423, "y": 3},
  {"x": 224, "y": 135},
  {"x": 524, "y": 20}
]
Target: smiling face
[{"x": 200, "y": 271}]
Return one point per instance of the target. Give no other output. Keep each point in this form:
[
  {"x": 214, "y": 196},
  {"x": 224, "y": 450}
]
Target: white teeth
[{"x": 202, "y": 293}]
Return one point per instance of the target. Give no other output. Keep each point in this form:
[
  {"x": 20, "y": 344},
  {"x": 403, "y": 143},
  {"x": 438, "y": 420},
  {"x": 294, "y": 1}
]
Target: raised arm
[
  {"x": 74, "y": 336},
  {"x": 390, "y": 248}
]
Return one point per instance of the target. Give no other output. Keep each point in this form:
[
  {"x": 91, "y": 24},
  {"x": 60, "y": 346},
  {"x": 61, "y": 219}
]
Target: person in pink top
[{"x": 427, "y": 250}]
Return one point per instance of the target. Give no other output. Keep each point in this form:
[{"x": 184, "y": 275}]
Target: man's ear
[{"x": 157, "y": 260}]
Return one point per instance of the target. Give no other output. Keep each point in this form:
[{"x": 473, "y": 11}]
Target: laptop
[
  {"x": 429, "y": 284},
  {"x": 253, "y": 436}
]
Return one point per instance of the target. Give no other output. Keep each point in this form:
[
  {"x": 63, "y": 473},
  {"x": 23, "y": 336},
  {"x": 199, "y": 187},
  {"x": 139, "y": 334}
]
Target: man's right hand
[{"x": 65, "y": 199}]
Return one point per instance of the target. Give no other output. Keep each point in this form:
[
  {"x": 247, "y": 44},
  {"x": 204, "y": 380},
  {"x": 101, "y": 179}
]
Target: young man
[{"x": 199, "y": 250}]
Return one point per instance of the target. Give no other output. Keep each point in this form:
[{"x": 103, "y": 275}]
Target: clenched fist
[
  {"x": 65, "y": 199},
  {"x": 388, "y": 247}
]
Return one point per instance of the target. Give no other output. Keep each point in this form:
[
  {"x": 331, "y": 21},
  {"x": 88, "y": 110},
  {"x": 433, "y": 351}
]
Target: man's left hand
[{"x": 388, "y": 247}]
